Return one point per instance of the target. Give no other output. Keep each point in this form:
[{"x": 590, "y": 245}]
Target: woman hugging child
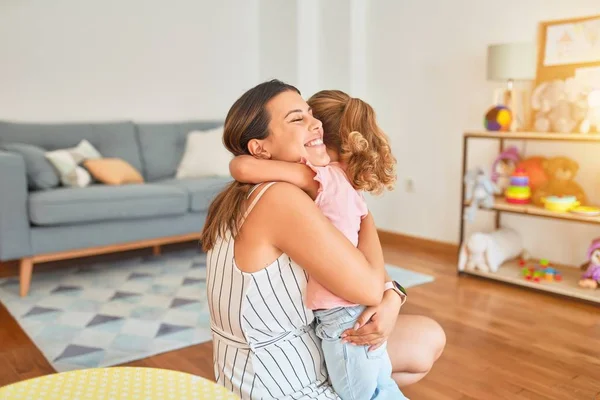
[{"x": 360, "y": 160}]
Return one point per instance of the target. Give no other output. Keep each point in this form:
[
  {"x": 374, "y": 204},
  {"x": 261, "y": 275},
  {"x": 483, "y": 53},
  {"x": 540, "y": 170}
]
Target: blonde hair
[{"x": 351, "y": 129}]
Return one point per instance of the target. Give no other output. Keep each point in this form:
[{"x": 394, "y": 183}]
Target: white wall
[
  {"x": 334, "y": 45},
  {"x": 278, "y": 38},
  {"x": 310, "y": 43},
  {"x": 426, "y": 79},
  {"x": 135, "y": 59}
]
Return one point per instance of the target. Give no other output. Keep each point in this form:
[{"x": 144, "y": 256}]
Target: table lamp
[{"x": 510, "y": 62}]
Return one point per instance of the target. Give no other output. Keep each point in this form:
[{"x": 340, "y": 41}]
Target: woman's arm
[
  {"x": 248, "y": 169},
  {"x": 292, "y": 223},
  {"x": 370, "y": 246}
]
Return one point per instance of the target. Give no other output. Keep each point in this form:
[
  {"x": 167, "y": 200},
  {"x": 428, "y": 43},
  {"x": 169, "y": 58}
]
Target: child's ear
[{"x": 257, "y": 149}]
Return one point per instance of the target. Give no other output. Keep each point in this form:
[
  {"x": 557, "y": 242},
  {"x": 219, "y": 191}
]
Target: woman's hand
[{"x": 375, "y": 324}]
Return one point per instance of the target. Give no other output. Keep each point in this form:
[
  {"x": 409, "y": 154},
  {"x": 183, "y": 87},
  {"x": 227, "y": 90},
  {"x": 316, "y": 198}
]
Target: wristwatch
[{"x": 396, "y": 287}]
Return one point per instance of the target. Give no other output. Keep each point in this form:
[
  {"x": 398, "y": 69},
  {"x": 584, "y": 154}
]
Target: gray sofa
[{"x": 58, "y": 223}]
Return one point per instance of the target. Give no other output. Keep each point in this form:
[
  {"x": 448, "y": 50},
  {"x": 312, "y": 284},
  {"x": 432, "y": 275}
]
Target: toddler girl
[{"x": 361, "y": 160}]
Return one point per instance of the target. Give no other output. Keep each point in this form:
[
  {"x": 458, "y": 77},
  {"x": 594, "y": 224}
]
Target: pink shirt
[{"x": 345, "y": 207}]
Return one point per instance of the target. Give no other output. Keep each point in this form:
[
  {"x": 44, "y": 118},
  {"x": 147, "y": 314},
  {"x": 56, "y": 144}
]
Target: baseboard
[{"x": 399, "y": 239}]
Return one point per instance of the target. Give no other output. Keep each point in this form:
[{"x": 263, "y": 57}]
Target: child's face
[
  {"x": 505, "y": 167},
  {"x": 596, "y": 257}
]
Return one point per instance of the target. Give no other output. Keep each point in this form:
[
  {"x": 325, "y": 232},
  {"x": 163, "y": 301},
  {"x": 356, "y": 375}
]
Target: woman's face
[{"x": 294, "y": 132}]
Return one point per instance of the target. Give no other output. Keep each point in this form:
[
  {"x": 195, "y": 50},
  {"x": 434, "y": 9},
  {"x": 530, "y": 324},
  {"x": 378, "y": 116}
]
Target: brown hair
[
  {"x": 247, "y": 119},
  {"x": 351, "y": 129}
]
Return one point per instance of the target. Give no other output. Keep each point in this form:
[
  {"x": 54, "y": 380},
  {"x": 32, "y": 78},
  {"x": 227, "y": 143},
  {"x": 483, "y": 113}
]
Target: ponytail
[{"x": 365, "y": 149}]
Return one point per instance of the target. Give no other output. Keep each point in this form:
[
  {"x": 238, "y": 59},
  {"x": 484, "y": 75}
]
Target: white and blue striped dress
[{"x": 264, "y": 343}]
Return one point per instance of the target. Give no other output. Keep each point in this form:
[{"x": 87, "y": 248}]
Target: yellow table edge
[{"x": 115, "y": 382}]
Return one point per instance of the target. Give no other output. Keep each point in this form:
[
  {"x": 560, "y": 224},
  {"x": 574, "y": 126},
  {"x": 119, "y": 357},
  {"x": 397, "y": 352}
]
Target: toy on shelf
[
  {"x": 504, "y": 166},
  {"x": 488, "y": 251},
  {"x": 587, "y": 211},
  {"x": 562, "y": 106},
  {"x": 561, "y": 173},
  {"x": 591, "y": 277},
  {"x": 479, "y": 191},
  {"x": 543, "y": 271},
  {"x": 560, "y": 204},
  {"x": 498, "y": 118},
  {"x": 534, "y": 168},
  {"x": 519, "y": 191}
]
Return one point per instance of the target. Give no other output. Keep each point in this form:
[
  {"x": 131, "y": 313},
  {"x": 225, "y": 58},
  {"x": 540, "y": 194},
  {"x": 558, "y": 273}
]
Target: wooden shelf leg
[
  {"x": 25, "y": 271},
  {"x": 156, "y": 250}
]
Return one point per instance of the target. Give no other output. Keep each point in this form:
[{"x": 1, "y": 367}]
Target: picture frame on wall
[{"x": 567, "y": 76}]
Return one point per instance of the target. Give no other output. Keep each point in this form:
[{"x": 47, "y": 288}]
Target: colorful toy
[
  {"x": 479, "y": 191},
  {"x": 534, "y": 168},
  {"x": 498, "y": 118},
  {"x": 591, "y": 277},
  {"x": 543, "y": 270},
  {"x": 504, "y": 166},
  {"x": 519, "y": 191},
  {"x": 560, "y": 204},
  {"x": 587, "y": 211},
  {"x": 561, "y": 173}
]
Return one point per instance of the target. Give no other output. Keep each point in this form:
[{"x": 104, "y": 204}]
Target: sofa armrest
[{"x": 15, "y": 238}]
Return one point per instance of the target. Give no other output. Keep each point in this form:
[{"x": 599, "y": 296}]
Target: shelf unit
[{"x": 510, "y": 272}]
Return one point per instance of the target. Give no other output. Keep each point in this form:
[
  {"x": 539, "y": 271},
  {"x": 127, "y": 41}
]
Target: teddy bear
[
  {"x": 561, "y": 106},
  {"x": 560, "y": 172}
]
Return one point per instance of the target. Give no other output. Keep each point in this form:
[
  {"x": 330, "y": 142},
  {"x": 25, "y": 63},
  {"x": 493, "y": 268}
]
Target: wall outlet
[{"x": 409, "y": 185}]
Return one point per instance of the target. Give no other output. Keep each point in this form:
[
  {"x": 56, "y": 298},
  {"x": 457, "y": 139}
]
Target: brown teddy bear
[{"x": 560, "y": 172}]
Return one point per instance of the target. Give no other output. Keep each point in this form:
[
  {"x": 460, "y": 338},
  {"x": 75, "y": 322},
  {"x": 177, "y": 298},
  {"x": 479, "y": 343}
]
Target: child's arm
[{"x": 252, "y": 170}]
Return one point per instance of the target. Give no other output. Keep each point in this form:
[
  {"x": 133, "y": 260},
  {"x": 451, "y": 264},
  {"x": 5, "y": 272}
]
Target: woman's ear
[{"x": 257, "y": 149}]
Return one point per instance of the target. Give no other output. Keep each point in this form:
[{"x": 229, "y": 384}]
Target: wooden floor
[{"x": 503, "y": 342}]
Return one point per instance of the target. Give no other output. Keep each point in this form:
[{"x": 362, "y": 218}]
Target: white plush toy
[{"x": 487, "y": 251}]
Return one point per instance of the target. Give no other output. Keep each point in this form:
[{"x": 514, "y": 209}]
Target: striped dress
[{"x": 264, "y": 344}]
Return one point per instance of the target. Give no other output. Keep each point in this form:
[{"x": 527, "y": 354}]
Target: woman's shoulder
[
  {"x": 276, "y": 191},
  {"x": 278, "y": 197}
]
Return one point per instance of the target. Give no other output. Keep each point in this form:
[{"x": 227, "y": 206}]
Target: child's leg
[
  {"x": 355, "y": 373},
  {"x": 386, "y": 386}
]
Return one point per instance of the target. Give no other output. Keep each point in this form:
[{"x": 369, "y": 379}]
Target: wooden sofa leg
[
  {"x": 25, "y": 270},
  {"x": 156, "y": 250}
]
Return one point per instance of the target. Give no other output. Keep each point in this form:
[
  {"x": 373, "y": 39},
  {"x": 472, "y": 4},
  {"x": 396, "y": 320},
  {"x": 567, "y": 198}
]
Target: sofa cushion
[
  {"x": 101, "y": 202},
  {"x": 201, "y": 191},
  {"x": 162, "y": 145},
  {"x": 111, "y": 139},
  {"x": 40, "y": 172}
]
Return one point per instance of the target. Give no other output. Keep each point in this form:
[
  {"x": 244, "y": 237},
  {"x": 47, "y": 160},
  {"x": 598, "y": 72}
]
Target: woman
[{"x": 261, "y": 243}]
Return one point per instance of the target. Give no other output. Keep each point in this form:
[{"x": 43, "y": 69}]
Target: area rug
[
  {"x": 406, "y": 277},
  {"x": 114, "y": 312},
  {"x": 110, "y": 313}
]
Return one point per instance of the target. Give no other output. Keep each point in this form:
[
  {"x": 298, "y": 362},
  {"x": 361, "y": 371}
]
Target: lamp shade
[{"x": 514, "y": 61}]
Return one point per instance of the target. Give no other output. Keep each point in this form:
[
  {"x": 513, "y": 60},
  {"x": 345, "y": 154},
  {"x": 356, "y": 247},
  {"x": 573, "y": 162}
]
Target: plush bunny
[
  {"x": 487, "y": 251},
  {"x": 479, "y": 191}
]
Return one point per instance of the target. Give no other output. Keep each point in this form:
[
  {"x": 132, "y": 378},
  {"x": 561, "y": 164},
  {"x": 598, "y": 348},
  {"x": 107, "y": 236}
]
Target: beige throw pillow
[
  {"x": 67, "y": 163},
  {"x": 113, "y": 171}
]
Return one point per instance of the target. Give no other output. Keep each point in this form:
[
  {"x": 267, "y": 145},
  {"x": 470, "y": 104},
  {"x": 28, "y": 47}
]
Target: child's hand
[{"x": 375, "y": 324}]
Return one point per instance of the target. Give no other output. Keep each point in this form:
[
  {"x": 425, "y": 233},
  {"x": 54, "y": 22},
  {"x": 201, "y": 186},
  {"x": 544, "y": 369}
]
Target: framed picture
[
  {"x": 567, "y": 72},
  {"x": 564, "y": 46}
]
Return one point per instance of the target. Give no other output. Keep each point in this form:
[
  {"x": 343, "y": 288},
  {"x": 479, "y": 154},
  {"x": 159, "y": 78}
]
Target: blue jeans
[{"x": 355, "y": 372}]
